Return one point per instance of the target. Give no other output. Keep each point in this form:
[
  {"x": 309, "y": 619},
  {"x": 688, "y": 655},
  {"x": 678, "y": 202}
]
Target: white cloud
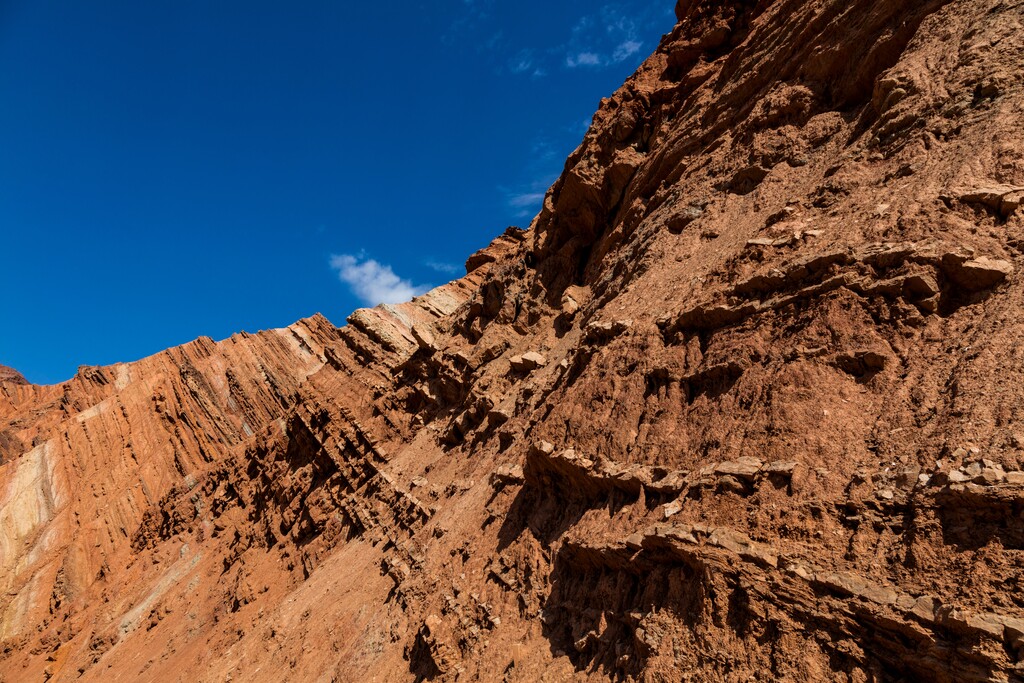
[
  {"x": 442, "y": 267},
  {"x": 526, "y": 199},
  {"x": 612, "y": 34},
  {"x": 374, "y": 282},
  {"x": 626, "y": 49},
  {"x": 583, "y": 59}
]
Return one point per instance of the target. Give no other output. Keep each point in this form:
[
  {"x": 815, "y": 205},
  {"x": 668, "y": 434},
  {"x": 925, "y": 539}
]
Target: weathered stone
[
  {"x": 924, "y": 608},
  {"x": 1003, "y": 199},
  {"x": 1016, "y": 478},
  {"x": 973, "y": 469},
  {"x": 729, "y": 539},
  {"x": 1010, "y": 203},
  {"x": 760, "y": 554},
  {"x": 603, "y": 330},
  {"x": 981, "y": 273},
  {"x": 545, "y": 447},
  {"x": 729, "y": 483},
  {"x": 802, "y": 571},
  {"x": 569, "y": 305},
  {"x": 424, "y": 337},
  {"x": 964, "y": 620},
  {"x": 634, "y": 541},
  {"x": 957, "y": 477},
  {"x": 676, "y": 532},
  {"x": 990, "y": 476},
  {"x": 908, "y": 477},
  {"x": 780, "y": 467},
  {"x": 854, "y": 584},
  {"x": 745, "y": 467},
  {"x": 527, "y": 362},
  {"x": 499, "y": 416},
  {"x": 507, "y": 474}
]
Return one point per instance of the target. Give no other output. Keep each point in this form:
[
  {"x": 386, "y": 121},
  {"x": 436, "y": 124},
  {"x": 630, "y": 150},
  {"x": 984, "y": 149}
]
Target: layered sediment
[{"x": 741, "y": 404}]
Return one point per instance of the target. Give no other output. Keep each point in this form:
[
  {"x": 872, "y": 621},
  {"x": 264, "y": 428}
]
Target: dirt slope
[{"x": 742, "y": 404}]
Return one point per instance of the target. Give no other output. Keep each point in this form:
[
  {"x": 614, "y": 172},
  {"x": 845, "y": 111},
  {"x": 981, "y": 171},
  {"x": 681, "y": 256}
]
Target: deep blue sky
[{"x": 186, "y": 168}]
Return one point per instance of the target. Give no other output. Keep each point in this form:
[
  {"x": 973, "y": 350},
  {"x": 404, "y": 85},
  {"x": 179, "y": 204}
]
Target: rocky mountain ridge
[{"x": 739, "y": 405}]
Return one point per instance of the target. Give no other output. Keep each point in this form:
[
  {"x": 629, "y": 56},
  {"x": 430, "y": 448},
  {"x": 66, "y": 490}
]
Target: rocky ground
[{"x": 742, "y": 404}]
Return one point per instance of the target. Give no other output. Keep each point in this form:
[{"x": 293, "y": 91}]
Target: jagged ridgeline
[{"x": 744, "y": 403}]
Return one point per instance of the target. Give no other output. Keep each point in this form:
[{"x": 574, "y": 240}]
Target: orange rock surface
[{"x": 741, "y": 404}]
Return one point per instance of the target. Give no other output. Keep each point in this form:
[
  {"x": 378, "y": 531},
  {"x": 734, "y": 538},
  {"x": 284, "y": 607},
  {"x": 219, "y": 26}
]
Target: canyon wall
[{"x": 741, "y": 404}]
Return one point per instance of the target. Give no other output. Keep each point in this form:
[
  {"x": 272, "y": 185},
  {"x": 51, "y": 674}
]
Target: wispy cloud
[
  {"x": 443, "y": 267},
  {"x": 526, "y": 201},
  {"x": 546, "y": 152},
  {"x": 543, "y": 151},
  {"x": 611, "y": 35},
  {"x": 528, "y": 62},
  {"x": 374, "y": 282},
  {"x": 583, "y": 59},
  {"x": 626, "y": 49}
]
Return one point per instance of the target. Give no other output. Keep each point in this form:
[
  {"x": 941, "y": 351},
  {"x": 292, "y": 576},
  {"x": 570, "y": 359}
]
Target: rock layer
[{"x": 741, "y": 405}]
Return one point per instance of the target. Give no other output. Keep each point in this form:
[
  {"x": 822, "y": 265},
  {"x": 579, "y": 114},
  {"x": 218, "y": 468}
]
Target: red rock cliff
[{"x": 742, "y": 404}]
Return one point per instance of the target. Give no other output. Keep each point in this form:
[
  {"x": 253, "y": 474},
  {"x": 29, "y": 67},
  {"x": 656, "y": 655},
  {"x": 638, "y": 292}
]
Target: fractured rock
[
  {"x": 507, "y": 474},
  {"x": 142, "y": 502},
  {"x": 527, "y": 362},
  {"x": 981, "y": 273},
  {"x": 1003, "y": 199},
  {"x": 745, "y": 467}
]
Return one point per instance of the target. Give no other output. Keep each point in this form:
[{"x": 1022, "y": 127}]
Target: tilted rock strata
[
  {"x": 11, "y": 376},
  {"x": 742, "y": 404}
]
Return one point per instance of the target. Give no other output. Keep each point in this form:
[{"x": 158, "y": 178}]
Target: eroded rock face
[
  {"x": 742, "y": 404},
  {"x": 11, "y": 376}
]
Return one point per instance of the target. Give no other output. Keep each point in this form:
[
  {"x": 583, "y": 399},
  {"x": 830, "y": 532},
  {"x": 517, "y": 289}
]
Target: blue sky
[{"x": 177, "y": 169}]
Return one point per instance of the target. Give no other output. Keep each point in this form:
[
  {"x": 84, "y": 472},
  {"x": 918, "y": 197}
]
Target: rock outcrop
[
  {"x": 11, "y": 376},
  {"x": 742, "y": 404}
]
